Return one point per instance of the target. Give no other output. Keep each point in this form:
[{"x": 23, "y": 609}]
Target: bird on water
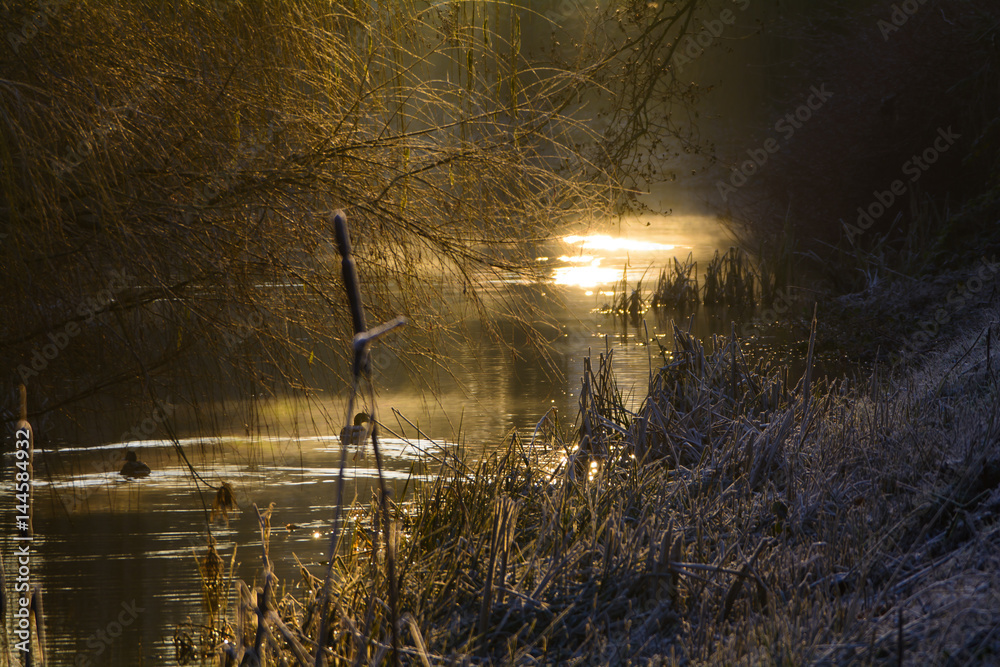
[
  {"x": 355, "y": 435},
  {"x": 134, "y": 467}
]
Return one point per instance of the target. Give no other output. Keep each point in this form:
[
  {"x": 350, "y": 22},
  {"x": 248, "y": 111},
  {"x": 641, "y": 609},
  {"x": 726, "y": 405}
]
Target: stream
[{"x": 117, "y": 557}]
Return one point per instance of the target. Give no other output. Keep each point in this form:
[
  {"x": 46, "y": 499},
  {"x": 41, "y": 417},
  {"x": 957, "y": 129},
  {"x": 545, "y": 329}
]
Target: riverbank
[{"x": 733, "y": 519}]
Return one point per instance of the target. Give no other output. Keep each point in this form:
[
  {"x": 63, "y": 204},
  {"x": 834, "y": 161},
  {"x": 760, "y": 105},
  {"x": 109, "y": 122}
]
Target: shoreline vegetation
[{"x": 734, "y": 518}]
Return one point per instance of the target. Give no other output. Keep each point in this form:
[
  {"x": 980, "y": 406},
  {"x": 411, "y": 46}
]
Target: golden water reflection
[
  {"x": 607, "y": 261},
  {"x": 590, "y": 275},
  {"x": 606, "y": 242}
]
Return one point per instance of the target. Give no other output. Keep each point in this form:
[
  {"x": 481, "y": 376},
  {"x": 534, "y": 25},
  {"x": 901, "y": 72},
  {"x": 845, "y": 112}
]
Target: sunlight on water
[
  {"x": 607, "y": 260},
  {"x": 590, "y": 275},
  {"x": 605, "y": 242}
]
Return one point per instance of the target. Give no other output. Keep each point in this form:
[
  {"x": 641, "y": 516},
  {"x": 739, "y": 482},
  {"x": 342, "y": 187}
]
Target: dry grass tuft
[{"x": 677, "y": 285}]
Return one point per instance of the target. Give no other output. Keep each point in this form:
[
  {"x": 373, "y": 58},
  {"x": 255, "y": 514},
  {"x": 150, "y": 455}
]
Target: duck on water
[
  {"x": 355, "y": 435},
  {"x": 134, "y": 467}
]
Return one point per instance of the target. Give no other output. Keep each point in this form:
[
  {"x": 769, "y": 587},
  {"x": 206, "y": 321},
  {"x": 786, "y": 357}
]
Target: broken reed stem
[
  {"x": 350, "y": 276},
  {"x": 25, "y": 439},
  {"x": 390, "y": 557},
  {"x": 265, "y": 608},
  {"x": 352, "y": 286},
  {"x": 260, "y": 609},
  {"x": 361, "y": 369},
  {"x": 28, "y": 530}
]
